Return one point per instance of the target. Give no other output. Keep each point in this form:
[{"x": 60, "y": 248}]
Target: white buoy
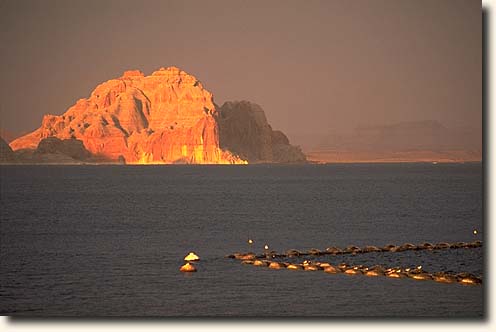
[
  {"x": 266, "y": 247},
  {"x": 250, "y": 241},
  {"x": 475, "y": 232},
  {"x": 192, "y": 257}
]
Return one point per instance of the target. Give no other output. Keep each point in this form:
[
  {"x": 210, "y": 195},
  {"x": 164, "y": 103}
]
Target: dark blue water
[{"x": 109, "y": 240}]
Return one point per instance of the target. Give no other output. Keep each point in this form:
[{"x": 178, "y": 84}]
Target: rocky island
[{"x": 167, "y": 117}]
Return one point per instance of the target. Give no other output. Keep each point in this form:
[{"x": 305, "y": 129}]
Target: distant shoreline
[
  {"x": 395, "y": 162},
  {"x": 414, "y": 156},
  {"x": 310, "y": 162}
]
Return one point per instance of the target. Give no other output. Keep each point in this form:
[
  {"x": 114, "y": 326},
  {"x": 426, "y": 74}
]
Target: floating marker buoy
[
  {"x": 373, "y": 273},
  {"x": 332, "y": 269},
  {"x": 420, "y": 276},
  {"x": 188, "y": 267},
  {"x": 475, "y": 232},
  {"x": 244, "y": 256},
  {"x": 444, "y": 278},
  {"x": 333, "y": 250},
  {"x": 294, "y": 267},
  {"x": 393, "y": 275},
  {"x": 352, "y": 271},
  {"x": 311, "y": 267},
  {"x": 293, "y": 252},
  {"x": 470, "y": 281},
  {"x": 276, "y": 266},
  {"x": 250, "y": 241},
  {"x": 260, "y": 263},
  {"x": 266, "y": 247},
  {"x": 191, "y": 257}
]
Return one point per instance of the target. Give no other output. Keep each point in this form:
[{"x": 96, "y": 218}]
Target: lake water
[{"x": 109, "y": 240}]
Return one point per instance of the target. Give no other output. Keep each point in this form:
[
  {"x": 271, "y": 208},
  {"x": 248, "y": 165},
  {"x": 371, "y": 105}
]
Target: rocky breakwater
[
  {"x": 167, "y": 117},
  {"x": 244, "y": 130}
]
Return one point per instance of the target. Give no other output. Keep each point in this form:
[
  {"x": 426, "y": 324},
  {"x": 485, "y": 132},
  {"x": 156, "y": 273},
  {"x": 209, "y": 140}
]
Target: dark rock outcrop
[
  {"x": 244, "y": 130},
  {"x": 72, "y": 148},
  {"x": 6, "y": 153},
  {"x": 52, "y": 150}
]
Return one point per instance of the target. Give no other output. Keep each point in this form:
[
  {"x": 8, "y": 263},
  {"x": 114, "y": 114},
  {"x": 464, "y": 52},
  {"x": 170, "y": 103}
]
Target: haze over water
[{"x": 109, "y": 240}]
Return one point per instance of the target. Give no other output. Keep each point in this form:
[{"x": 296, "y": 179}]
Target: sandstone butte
[{"x": 167, "y": 117}]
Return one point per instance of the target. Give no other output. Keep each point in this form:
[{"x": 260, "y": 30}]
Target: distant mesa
[
  {"x": 415, "y": 141},
  {"x": 165, "y": 118}
]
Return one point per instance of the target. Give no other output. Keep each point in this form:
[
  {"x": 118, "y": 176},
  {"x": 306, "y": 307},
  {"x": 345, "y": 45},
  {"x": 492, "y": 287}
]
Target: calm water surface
[{"x": 109, "y": 240}]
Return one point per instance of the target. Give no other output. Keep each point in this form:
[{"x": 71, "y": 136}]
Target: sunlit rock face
[
  {"x": 244, "y": 130},
  {"x": 167, "y": 117}
]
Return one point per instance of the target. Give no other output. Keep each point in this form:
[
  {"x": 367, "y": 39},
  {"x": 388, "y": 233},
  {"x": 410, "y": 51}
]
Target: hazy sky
[{"x": 314, "y": 66}]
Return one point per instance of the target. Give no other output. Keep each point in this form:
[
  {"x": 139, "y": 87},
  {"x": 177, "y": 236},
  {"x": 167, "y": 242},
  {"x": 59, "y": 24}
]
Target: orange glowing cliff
[{"x": 167, "y": 117}]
